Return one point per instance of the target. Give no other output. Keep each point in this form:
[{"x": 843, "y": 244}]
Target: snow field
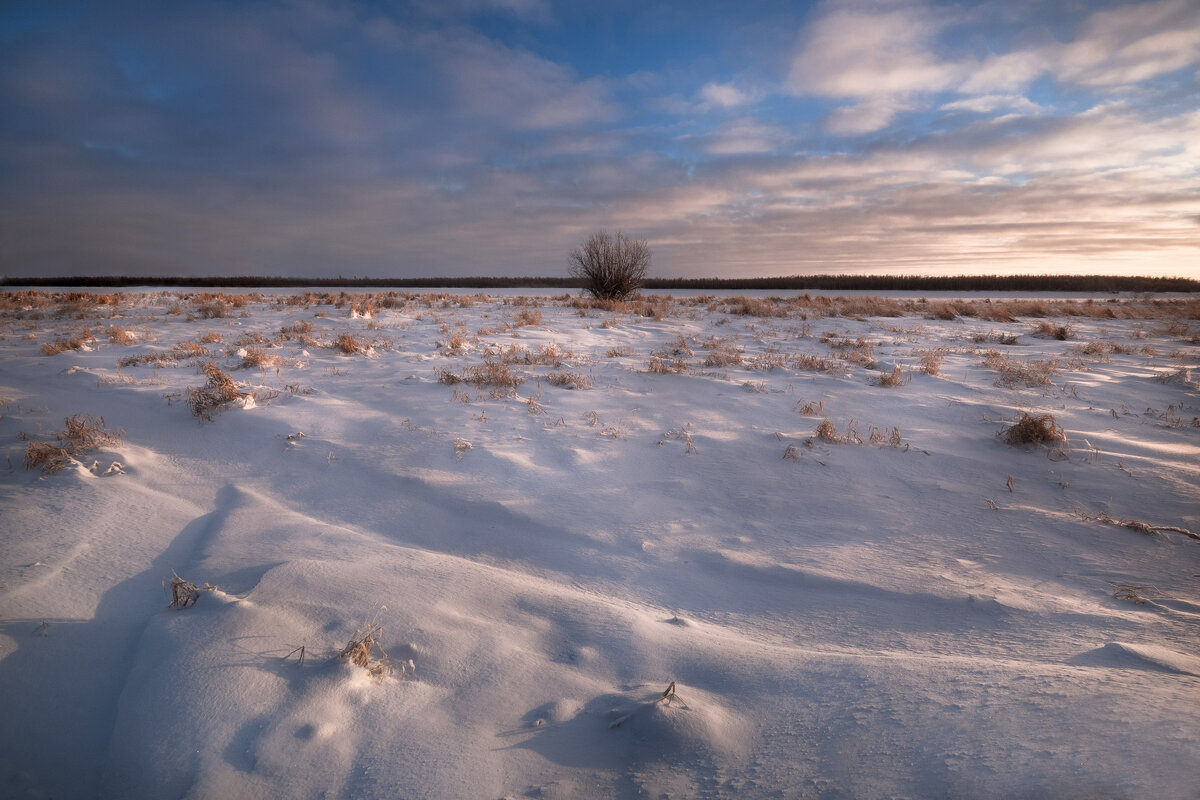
[{"x": 946, "y": 615}]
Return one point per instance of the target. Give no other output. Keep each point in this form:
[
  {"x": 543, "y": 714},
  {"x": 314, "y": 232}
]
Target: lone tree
[{"x": 611, "y": 267}]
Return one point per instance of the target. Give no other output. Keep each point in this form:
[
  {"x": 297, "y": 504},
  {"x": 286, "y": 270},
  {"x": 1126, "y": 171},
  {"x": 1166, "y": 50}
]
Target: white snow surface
[{"x": 841, "y": 620}]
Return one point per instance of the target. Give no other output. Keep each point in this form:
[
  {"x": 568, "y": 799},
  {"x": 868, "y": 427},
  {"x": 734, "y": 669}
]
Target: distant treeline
[{"x": 791, "y": 283}]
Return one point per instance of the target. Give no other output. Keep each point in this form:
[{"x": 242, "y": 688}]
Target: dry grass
[
  {"x": 931, "y": 360},
  {"x": 120, "y": 336},
  {"x": 1014, "y": 371},
  {"x": 1035, "y": 429},
  {"x": 1053, "y": 331},
  {"x": 180, "y": 351},
  {"x": 184, "y": 593},
  {"x": 495, "y": 374},
  {"x": 348, "y": 344},
  {"x": 219, "y": 391},
  {"x": 549, "y": 355},
  {"x": 527, "y": 317},
  {"x": 683, "y": 434},
  {"x": 810, "y": 362},
  {"x": 809, "y": 409},
  {"x": 363, "y": 650},
  {"x": 456, "y": 345},
  {"x": 858, "y": 351},
  {"x": 187, "y": 349},
  {"x": 1182, "y": 375},
  {"x": 723, "y": 354},
  {"x": 827, "y": 432},
  {"x": 942, "y": 310},
  {"x": 570, "y": 380},
  {"x": 1131, "y": 592},
  {"x": 153, "y": 359},
  {"x": 258, "y": 358},
  {"x": 301, "y": 332},
  {"x": 662, "y": 365},
  {"x": 81, "y": 434},
  {"x": 757, "y": 307},
  {"x": 214, "y": 309},
  {"x": 894, "y": 378},
  {"x": 884, "y": 437},
  {"x": 1145, "y": 527},
  {"x": 79, "y": 341},
  {"x": 461, "y": 446}
]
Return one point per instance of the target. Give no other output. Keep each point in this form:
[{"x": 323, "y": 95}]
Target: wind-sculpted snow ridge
[{"x": 687, "y": 547}]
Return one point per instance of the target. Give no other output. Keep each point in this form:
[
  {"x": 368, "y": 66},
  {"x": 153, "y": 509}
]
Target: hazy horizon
[{"x": 486, "y": 138}]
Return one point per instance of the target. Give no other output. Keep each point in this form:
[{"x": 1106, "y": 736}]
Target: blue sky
[{"x": 488, "y": 137}]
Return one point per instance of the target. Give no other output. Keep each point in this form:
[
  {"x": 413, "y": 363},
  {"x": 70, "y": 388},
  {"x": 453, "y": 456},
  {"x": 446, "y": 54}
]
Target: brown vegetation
[
  {"x": 495, "y": 374},
  {"x": 184, "y": 593},
  {"x": 81, "y": 434},
  {"x": 348, "y": 344},
  {"x": 1013, "y": 371},
  {"x": 1035, "y": 429},
  {"x": 219, "y": 391},
  {"x": 894, "y": 378},
  {"x": 364, "y": 650},
  {"x": 120, "y": 336},
  {"x": 79, "y": 341}
]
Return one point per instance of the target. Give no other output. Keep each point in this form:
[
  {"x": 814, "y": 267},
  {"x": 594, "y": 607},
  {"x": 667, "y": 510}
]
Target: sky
[{"x": 325, "y": 138}]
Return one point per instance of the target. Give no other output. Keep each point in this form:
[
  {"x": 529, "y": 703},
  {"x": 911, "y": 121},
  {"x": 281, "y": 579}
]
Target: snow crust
[{"x": 943, "y": 616}]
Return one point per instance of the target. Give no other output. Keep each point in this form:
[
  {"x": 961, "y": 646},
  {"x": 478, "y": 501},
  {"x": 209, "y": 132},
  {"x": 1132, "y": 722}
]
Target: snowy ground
[{"x": 935, "y": 613}]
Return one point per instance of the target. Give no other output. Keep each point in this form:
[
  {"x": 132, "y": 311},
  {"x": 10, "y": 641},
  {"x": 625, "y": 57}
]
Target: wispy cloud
[
  {"x": 877, "y": 57},
  {"x": 724, "y": 95}
]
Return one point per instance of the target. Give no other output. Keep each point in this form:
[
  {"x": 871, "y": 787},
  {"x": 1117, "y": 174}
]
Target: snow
[{"x": 946, "y": 616}]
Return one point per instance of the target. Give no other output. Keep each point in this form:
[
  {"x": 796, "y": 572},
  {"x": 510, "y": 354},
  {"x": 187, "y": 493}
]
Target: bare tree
[{"x": 610, "y": 266}]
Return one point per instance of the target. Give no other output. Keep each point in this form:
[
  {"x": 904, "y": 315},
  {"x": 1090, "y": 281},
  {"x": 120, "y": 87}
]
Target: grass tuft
[
  {"x": 184, "y": 593},
  {"x": 348, "y": 344},
  {"x": 363, "y": 650},
  {"x": 218, "y": 392},
  {"x": 894, "y": 378},
  {"x": 1035, "y": 429},
  {"x": 80, "y": 434}
]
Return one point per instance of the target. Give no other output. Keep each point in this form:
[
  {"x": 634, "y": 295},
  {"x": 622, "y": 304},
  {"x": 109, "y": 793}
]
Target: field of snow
[{"x": 802, "y": 513}]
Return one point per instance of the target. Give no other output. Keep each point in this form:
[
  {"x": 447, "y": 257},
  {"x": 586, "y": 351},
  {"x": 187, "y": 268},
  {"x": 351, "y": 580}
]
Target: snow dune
[{"x": 908, "y": 608}]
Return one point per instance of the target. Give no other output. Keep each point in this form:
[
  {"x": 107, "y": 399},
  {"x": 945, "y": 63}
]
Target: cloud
[
  {"x": 744, "y": 136},
  {"x": 538, "y": 10},
  {"x": 1112, "y": 48},
  {"x": 1132, "y": 43},
  {"x": 861, "y": 51},
  {"x": 868, "y": 115},
  {"x": 515, "y": 89},
  {"x": 724, "y": 95},
  {"x": 989, "y": 103},
  {"x": 1006, "y": 72},
  {"x": 888, "y": 57}
]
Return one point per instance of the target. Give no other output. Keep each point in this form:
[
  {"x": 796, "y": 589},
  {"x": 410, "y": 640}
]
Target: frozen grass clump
[
  {"x": 363, "y": 650},
  {"x": 495, "y": 374},
  {"x": 184, "y": 593},
  {"x": 218, "y": 392},
  {"x": 1035, "y": 429},
  {"x": 1015, "y": 371},
  {"x": 894, "y": 378},
  {"x": 81, "y": 434}
]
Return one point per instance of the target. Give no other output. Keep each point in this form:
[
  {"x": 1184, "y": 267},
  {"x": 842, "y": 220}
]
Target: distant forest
[{"x": 792, "y": 283}]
